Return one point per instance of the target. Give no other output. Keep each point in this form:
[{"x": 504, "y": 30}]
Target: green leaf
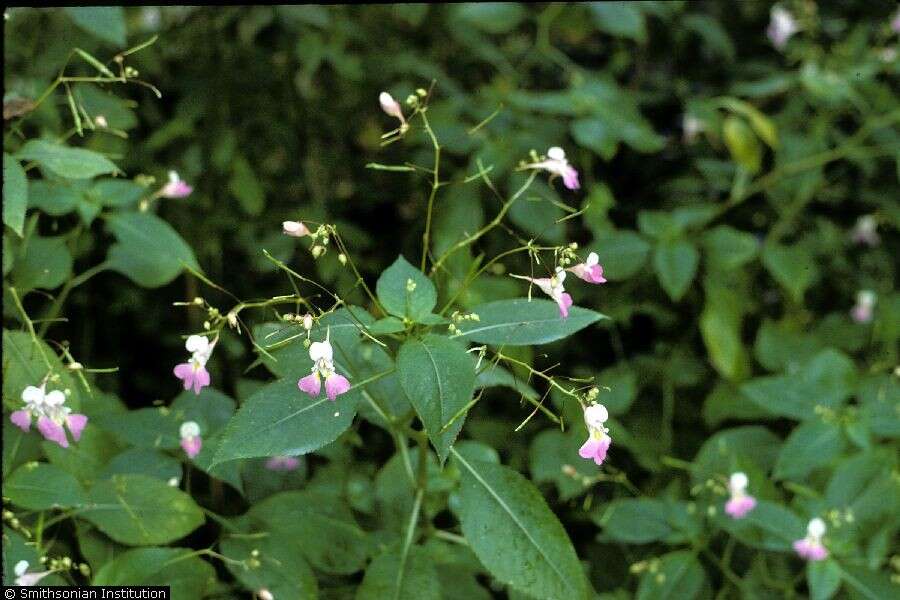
[
  {"x": 139, "y": 510},
  {"x": 85, "y": 459},
  {"x": 56, "y": 198},
  {"x": 149, "y": 427},
  {"x": 636, "y": 521},
  {"x": 279, "y": 419},
  {"x": 43, "y": 262},
  {"x": 492, "y": 17},
  {"x": 141, "y": 461},
  {"x": 392, "y": 575},
  {"x": 494, "y": 375},
  {"x": 682, "y": 577},
  {"x": 116, "y": 193},
  {"x": 551, "y": 455},
  {"x": 15, "y": 194},
  {"x": 725, "y": 452},
  {"x": 515, "y": 535},
  {"x": 622, "y": 254},
  {"x": 621, "y": 19},
  {"x": 438, "y": 376},
  {"x": 396, "y": 297},
  {"x": 720, "y": 325},
  {"x": 728, "y": 249},
  {"x": 16, "y": 548},
  {"x": 768, "y": 526},
  {"x": 25, "y": 364},
  {"x": 675, "y": 263},
  {"x": 868, "y": 584},
  {"x": 148, "y": 251},
  {"x": 865, "y": 486},
  {"x": 188, "y": 576},
  {"x": 520, "y": 322},
  {"x": 761, "y": 124},
  {"x": 103, "y": 22},
  {"x": 824, "y": 578},
  {"x": 245, "y": 185},
  {"x": 742, "y": 143},
  {"x": 70, "y": 163},
  {"x": 791, "y": 266},
  {"x": 811, "y": 445},
  {"x": 41, "y": 486}
]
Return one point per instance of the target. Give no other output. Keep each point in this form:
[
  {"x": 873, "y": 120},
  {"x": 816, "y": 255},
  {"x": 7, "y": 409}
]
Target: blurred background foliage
[{"x": 721, "y": 181}]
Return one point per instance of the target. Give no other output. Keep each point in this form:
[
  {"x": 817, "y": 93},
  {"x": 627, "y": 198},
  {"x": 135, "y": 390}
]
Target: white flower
[{"x": 188, "y": 430}]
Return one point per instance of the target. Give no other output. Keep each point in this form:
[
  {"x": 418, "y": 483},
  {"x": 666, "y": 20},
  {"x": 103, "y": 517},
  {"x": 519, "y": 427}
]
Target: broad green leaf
[
  {"x": 116, "y": 193},
  {"x": 761, "y": 124},
  {"x": 25, "y": 364},
  {"x": 393, "y": 575},
  {"x": 538, "y": 213},
  {"x": 70, "y": 163},
  {"x": 864, "y": 485},
  {"x": 515, "y": 535},
  {"x": 552, "y": 455},
  {"x": 18, "y": 447},
  {"x": 636, "y": 521},
  {"x": 140, "y": 511},
  {"x": 682, "y": 577},
  {"x": 438, "y": 377},
  {"x": 811, "y": 445},
  {"x": 726, "y": 401},
  {"x": 404, "y": 291},
  {"x": 725, "y": 452},
  {"x": 768, "y": 526},
  {"x": 15, "y": 194},
  {"x": 56, "y": 198},
  {"x": 85, "y": 459},
  {"x": 621, "y": 19},
  {"x": 781, "y": 347},
  {"x": 43, "y": 262},
  {"x": 742, "y": 143},
  {"x": 16, "y": 548},
  {"x": 720, "y": 326},
  {"x": 659, "y": 225},
  {"x": 824, "y": 578},
  {"x": 619, "y": 387},
  {"x": 148, "y": 250},
  {"x": 188, "y": 576},
  {"x": 103, "y": 22},
  {"x": 521, "y": 322},
  {"x": 727, "y": 248},
  {"x": 41, "y": 486},
  {"x": 149, "y": 427},
  {"x": 622, "y": 253},
  {"x": 245, "y": 185},
  {"x": 675, "y": 263},
  {"x": 879, "y": 396},
  {"x": 866, "y": 584},
  {"x": 141, "y": 461},
  {"x": 791, "y": 266},
  {"x": 826, "y": 380},
  {"x": 491, "y": 17}
]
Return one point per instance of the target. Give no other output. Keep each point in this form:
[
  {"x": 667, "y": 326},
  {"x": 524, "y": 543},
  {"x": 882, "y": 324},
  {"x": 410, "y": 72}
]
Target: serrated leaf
[
  {"x": 392, "y": 575},
  {"x": 676, "y": 264},
  {"x": 70, "y": 163},
  {"x": 521, "y": 322},
  {"x": 187, "y": 575},
  {"x": 812, "y": 444},
  {"x": 104, "y": 22}
]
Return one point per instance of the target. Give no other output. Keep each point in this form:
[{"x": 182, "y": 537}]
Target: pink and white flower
[
  {"x": 863, "y": 311},
  {"x": 557, "y": 165},
  {"x": 294, "y": 228},
  {"x": 811, "y": 547},
  {"x": 51, "y": 413},
  {"x": 865, "y": 231},
  {"x": 553, "y": 287},
  {"x": 590, "y": 270},
  {"x": 26, "y": 579},
  {"x": 782, "y": 26},
  {"x": 598, "y": 442},
  {"x": 322, "y": 356},
  {"x": 193, "y": 373},
  {"x": 175, "y": 187},
  {"x": 283, "y": 463},
  {"x": 740, "y": 502},
  {"x": 391, "y": 107},
  {"x": 191, "y": 442},
  {"x": 895, "y": 23}
]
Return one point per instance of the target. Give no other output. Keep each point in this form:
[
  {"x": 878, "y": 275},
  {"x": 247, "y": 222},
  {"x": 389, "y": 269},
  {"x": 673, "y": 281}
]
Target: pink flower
[
  {"x": 598, "y": 441},
  {"x": 895, "y": 23},
  {"x": 558, "y": 166},
  {"x": 175, "y": 187},
  {"x": 866, "y": 231},
  {"x": 322, "y": 356},
  {"x": 811, "y": 547},
  {"x": 553, "y": 287},
  {"x": 193, "y": 373},
  {"x": 283, "y": 463},
  {"x": 51, "y": 413},
  {"x": 862, "y": 312},
  {"x": 191, "y": 442},
  {"x": 740, "y": 502},
  {"x": 23, "y": 578},
  {"x": 391, "y": 107},
  {"x": 590, "y": 270},
  {"x": 781, "y": 27},
  {"x": 294, "y": 228}
]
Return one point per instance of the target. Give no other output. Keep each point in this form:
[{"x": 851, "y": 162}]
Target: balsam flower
[
  {"x": 175, "y": 187},
  {"x": 322, "y": 356},
  {"x": 392, "y": 108},
  {"x": 598, "y": 441},
  {"x": 553, "y": 287},
  {"x": 862, "y": 312},
  {"x": 191, "y": 442},
  {"x": 283, "y": 463},
  {"x": 781, "y": 27},
  {"x": 590, "y": 270},
  {"x": 558, "y": 166},
  {"x": 26, "y": 579},
  {"x": 865, "y": 231},
  {"x": 193, "y": 373},
  {"x": 811, "y": 547},
  {"x": 294, "y": 228},
  {"x": 740, "y": 502},
  {"x": 51, "y": 413}
]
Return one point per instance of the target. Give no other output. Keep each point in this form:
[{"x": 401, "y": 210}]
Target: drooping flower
[
  {"x": 553, "y": 287},
  {"x": 25, "y": 579},
  {"x": 294, "y": 228},
  {"x": 811, "y": 547},
  {"x": 391, "y": 107},
  {"x": 557, "y": 165},
  {"x": 51, "y": 413},
  {"x": 191, "y": 442},
  {"x": 691, "y": 127},
  {"x": 590, "y": 270},
  {"x": 322, "y": 356},
  {"x": 598, "y": 442},
  {"x": 865, "y": 231},
  {"x": 781, "y": 27},
  {"x": 193, "y": 373},
  {"x": 283, "y": 463},
  {"x": 175, "y": 187},
  {"x": 865, "y": 301},
  {"x": 740, "y": 502}
]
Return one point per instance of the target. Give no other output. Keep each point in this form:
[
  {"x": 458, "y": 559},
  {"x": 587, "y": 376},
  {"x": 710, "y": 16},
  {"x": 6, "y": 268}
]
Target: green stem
[
  {"x": 73, "y": 283},
  {"x": 435, "y": 185}
]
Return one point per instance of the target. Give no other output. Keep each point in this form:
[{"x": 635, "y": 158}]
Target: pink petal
[
  {"x": 589, "y": 449},
  {"x": 201, "y": 380},
  {"x": 185, "y": 372},
  {"x": 602, "y": 448},
  {"x": 570, "y": 178},
  {"x": 310, "y": 384},
  {"x": 76, "y": 425},
  {"x": 336, "y": 385},
  {"x": 52, "y": 431},
  {"x": 565, "y": 301},
  {"x": 738, "y": 507},
  {"x": 21, "y": 419},
  {"x": 818, "y": 552},
  {"x": 594, "y": 274},
  {"x": 283, "y": 463},
  {"x": 177, "y": 189},
  {"x": 192, "y": 445}
]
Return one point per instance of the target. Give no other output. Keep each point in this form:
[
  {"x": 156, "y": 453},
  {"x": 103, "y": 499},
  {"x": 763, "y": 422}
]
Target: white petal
[
  {"x": 596, "y": 415},
  {"x": 321, "y": 351},
  {"x": 20, "y": 567},
  {"x": 55, "y": 398},
  {"x": 556, "y": 153},
  {"x": 592, "y": 259},
  {"x": 738, "y": 481},
  {"x": 816, "y": 528},
  {"x": 33, "y": 395},
  {"x": 197, "y": 344},
  {"x": 173, "y": 177},
  {"x": 189, "y": 429}
]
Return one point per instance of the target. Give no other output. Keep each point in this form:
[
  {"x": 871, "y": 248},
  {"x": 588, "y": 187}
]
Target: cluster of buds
[
  {"x": 306, "y": 320},
  {"x": 13, "y": 522},
  {"x": 458, "y": 317}
]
